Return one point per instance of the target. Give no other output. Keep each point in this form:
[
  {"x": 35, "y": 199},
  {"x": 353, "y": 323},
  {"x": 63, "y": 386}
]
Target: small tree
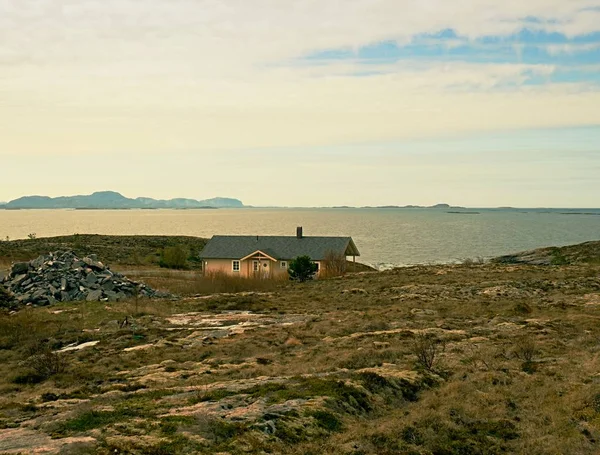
[
  {"x": 174, "y": 257},
  {"x": 302, "y": 269}
]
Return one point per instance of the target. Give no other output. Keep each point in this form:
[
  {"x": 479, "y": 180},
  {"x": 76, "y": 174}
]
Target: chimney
[{"x": 299, "y": 232}]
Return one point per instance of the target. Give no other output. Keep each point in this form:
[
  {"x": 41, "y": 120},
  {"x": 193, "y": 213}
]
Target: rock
[
  {"x": 111, "y": 296},
  {"x": 19, "y": 268},
  {"x": 94, "y": 296},
  {"x": 92, "y": 262},
  {"x": 91, "y": 278},
  {"x": 37, "y": 263},
  {"x": 423, "y": 312},
  {"x": 38, "y": 294},
  {"x": 19, "y": 278}
]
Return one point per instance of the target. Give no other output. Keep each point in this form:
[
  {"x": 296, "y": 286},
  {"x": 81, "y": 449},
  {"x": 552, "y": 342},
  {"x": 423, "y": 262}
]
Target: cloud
[{"x": 124, "y": 76}]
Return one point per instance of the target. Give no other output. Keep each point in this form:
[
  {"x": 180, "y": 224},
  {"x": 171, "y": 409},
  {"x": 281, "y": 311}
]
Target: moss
[{"x": 327, "y": 420}]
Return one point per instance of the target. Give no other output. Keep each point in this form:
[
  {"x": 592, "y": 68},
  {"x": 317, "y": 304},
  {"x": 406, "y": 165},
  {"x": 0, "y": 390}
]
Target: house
[{"x": 269, "y": 256}]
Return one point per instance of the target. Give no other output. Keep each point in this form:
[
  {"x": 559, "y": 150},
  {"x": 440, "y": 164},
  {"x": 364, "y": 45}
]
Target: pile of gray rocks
[{"x": 63, "y": 277}]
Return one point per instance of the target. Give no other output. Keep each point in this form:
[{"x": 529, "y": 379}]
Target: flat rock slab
[
  {"x": 79, "y": 347},
  {"x": 138, "y": 348},
  {"x": 20, "y": 440}
]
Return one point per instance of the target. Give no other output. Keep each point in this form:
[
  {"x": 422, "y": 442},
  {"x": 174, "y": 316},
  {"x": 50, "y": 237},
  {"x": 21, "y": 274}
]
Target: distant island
[
  {"x": 114, "y": 200},
  {"x": 436, "y": 206}
]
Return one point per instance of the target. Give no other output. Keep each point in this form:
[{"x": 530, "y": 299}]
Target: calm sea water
[{"x": 385, "y": 237}]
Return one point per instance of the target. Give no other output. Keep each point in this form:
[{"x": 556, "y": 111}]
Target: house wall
[
  {"x": 217, "y": 265},
  {"x": 246, "y": 268}
]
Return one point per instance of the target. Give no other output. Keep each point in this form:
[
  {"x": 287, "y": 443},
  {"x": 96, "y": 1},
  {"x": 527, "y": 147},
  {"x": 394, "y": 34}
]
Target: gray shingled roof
[{"x": 279, "y": 247}]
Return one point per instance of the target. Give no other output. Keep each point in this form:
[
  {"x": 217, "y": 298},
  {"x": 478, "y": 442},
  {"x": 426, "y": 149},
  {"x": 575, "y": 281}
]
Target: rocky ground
[
  {"x": 583, "y": 253},
  {"x": 485, "y": 359}
]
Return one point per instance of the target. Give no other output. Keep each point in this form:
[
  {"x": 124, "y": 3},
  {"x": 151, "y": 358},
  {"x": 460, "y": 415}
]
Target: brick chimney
[{"x": 299, "y": 232}]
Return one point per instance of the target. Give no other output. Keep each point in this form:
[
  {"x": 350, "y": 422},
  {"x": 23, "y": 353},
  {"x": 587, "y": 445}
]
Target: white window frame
[
  {"x": 233, "y": 266},
  {"x": 318, "y": 264},
  {"x": 255, "y": 266},
  {"x": 284, "y": 265}
]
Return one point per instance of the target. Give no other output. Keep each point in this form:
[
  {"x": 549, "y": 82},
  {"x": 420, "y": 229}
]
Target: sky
[{"x": 303, "y": 103}]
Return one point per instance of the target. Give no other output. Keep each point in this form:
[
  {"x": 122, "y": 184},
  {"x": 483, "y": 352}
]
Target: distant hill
[
  {"x": 583, "y": 253},
  {"x": 114, "y": 200}
]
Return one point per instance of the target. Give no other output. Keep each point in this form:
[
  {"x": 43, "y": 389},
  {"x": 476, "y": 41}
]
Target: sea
[{"x": 388, "y": 237}]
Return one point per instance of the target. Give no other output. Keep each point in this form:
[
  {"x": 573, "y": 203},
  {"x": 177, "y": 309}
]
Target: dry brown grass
[{"x": 190, "y": 283}]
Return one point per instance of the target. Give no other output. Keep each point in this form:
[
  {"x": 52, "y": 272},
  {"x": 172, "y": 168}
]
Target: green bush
[
  {"x": 174, "y": 257},
  {"x": 302, "y": 269}
]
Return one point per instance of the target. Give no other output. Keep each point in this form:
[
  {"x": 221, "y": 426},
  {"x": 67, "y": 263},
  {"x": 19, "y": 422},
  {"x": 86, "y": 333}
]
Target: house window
[
  {"x": 235, "y": 266},
  {"x": 318, "y": 266},
  {"x": 283, "y": 264},
  {"x": 255, "y": 266}
]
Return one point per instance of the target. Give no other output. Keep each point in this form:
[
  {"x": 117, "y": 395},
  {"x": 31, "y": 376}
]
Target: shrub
[
  {"x": 427, "y": 349},
  {"x": 302, "y": 269},
  {"x": 334, "y": 264},
  {"x": 46, "y": 363},
  {"x": 174, "y": 257},
  {"x": 526, "y": 349}
]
